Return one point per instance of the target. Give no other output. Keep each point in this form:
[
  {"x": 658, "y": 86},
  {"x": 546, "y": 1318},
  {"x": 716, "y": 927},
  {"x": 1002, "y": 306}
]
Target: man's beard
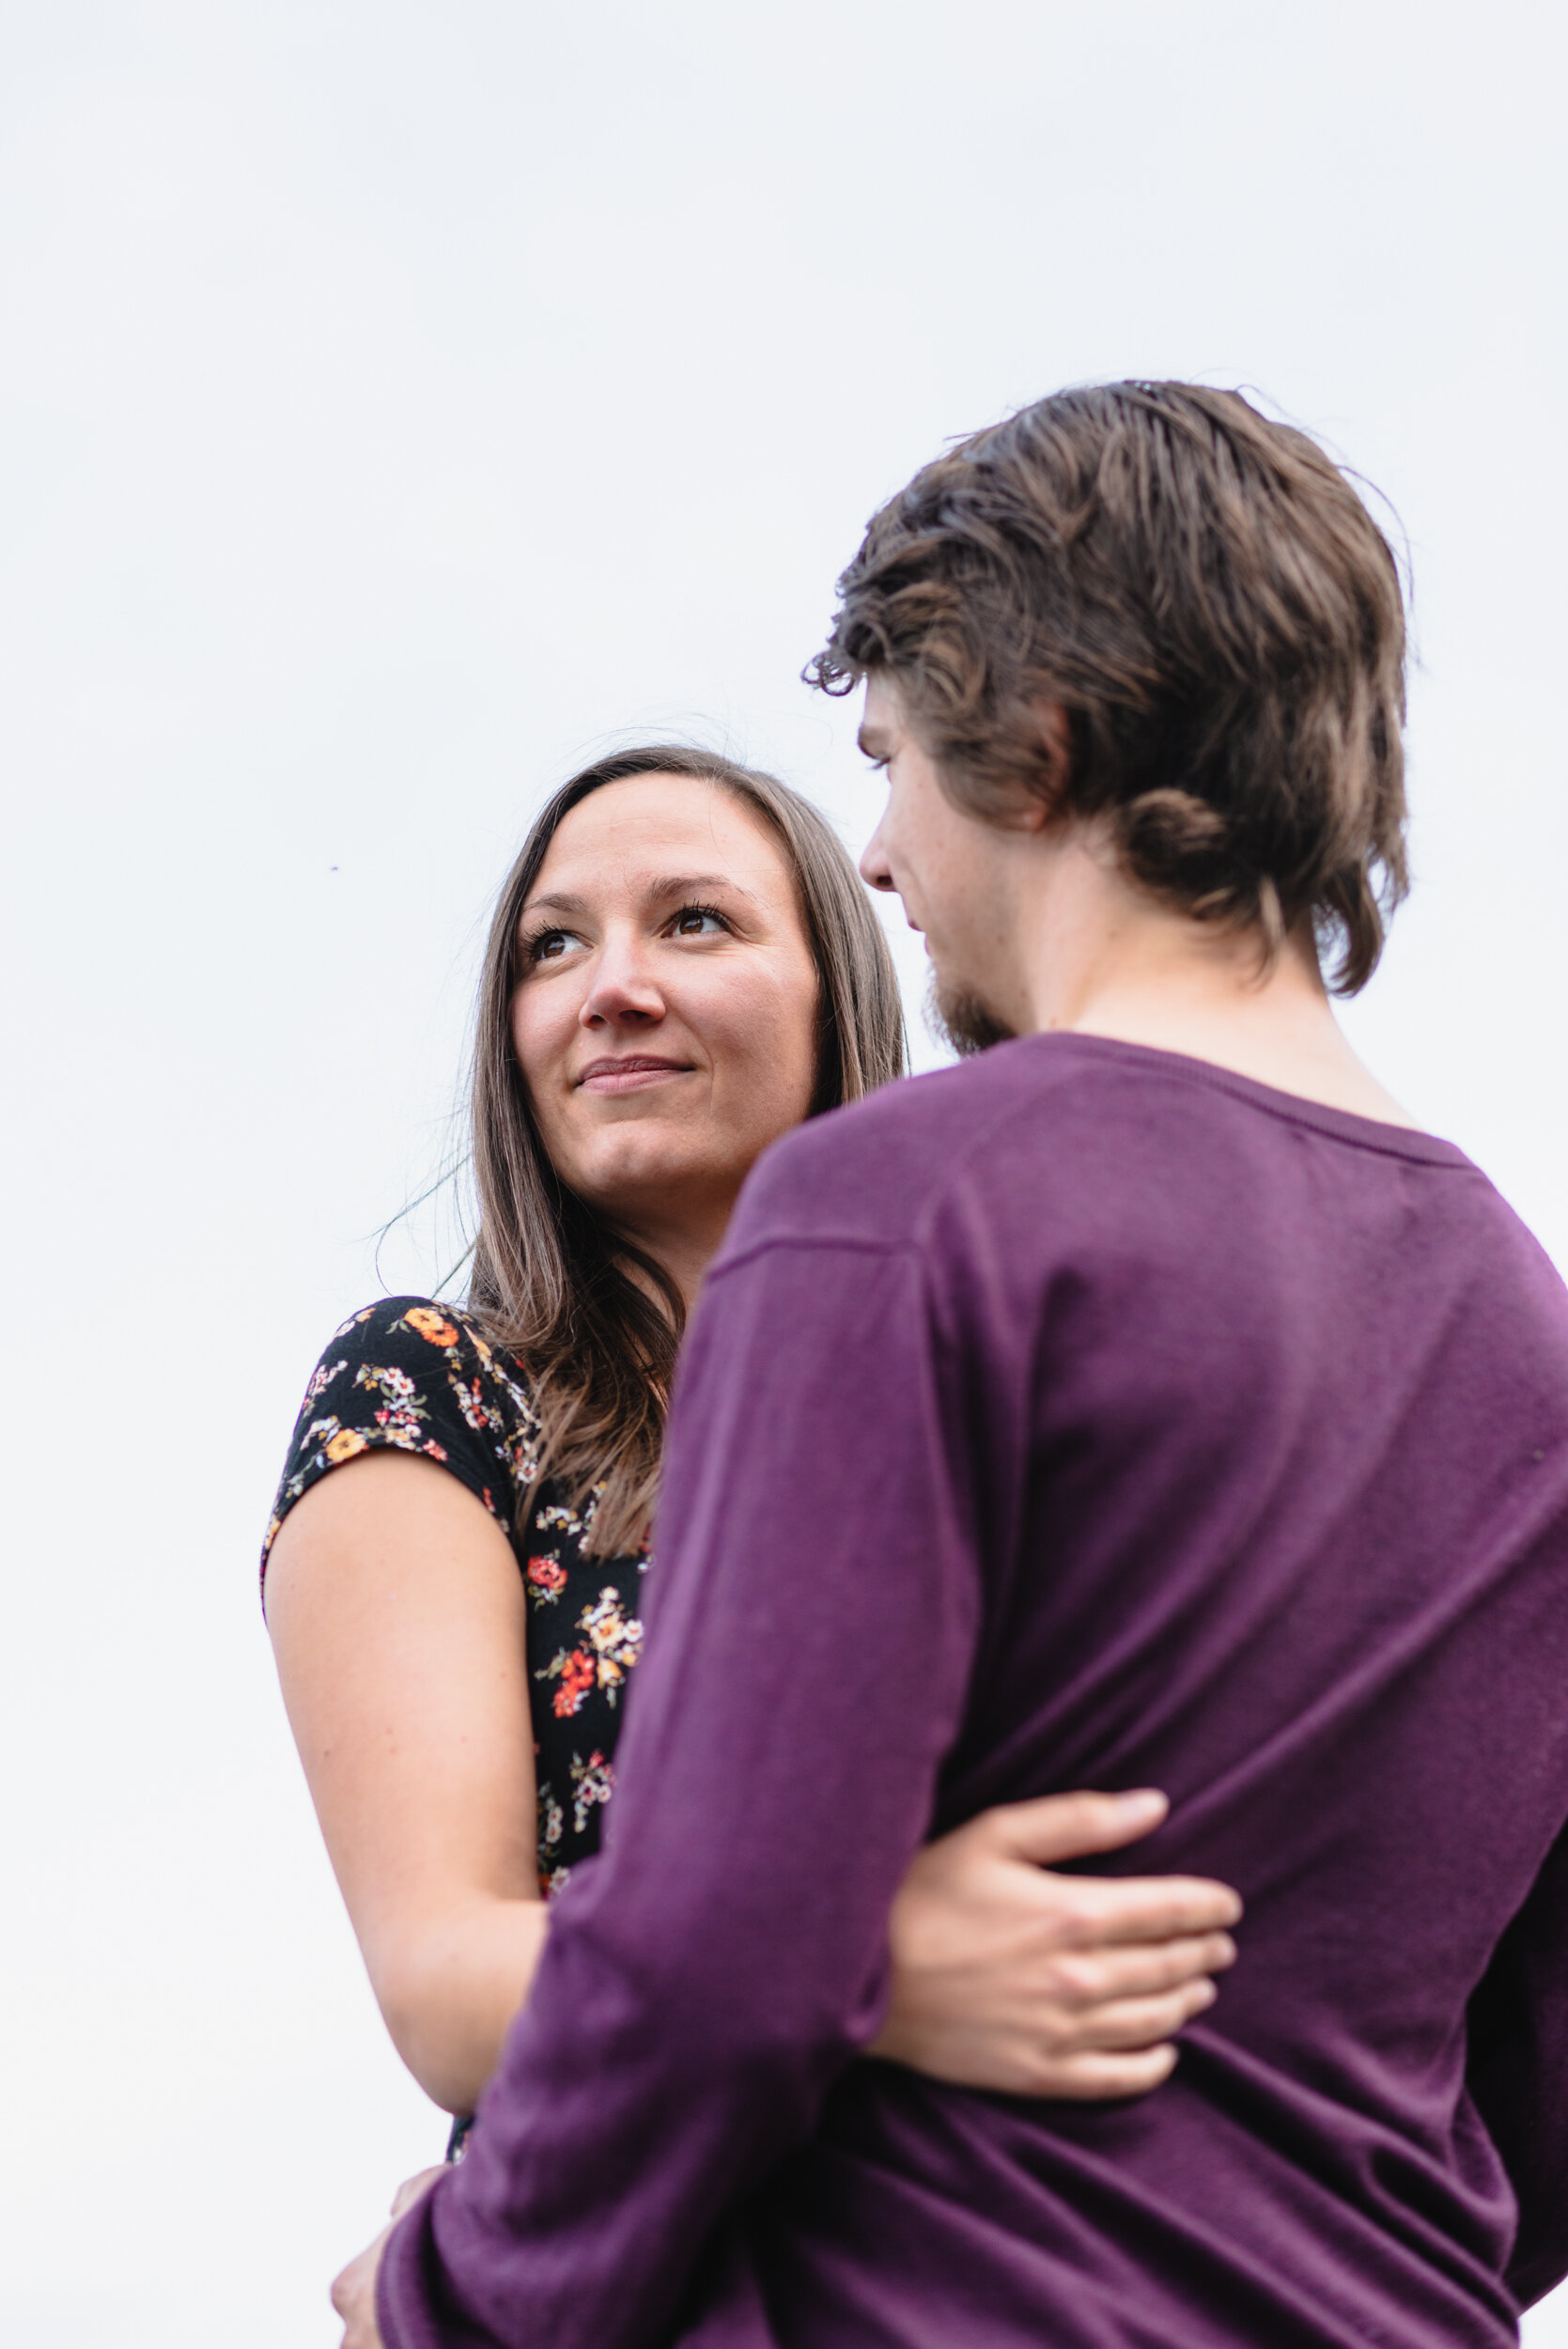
[{"x": 957, "y": 1018}]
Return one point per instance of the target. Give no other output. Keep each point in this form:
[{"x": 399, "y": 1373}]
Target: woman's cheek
[
  {"x": 792, "y": 1050},
  {"x": 542, "y": 1031},
  {"x": 775, "y": 1019},
  {"x": 526, "y": 1043},
  {"x": 780, "y": 1080}
]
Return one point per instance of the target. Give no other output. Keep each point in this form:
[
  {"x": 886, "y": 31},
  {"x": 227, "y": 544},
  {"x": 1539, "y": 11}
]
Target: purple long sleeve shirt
[{"x": 1085, "y": 1416}]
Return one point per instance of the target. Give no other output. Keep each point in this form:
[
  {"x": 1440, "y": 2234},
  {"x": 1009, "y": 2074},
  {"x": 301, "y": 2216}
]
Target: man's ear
[{"x": 1047, "y": 801}]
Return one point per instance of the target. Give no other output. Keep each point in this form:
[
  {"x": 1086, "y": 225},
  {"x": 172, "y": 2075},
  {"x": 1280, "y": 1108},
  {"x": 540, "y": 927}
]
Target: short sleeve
[{"x": 411, "y": 1375}]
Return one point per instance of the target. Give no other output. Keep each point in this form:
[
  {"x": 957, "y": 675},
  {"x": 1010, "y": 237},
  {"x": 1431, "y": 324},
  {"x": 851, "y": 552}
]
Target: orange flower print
[
  {"x": 344, "y": 1445},
  {"x": 432, "y": 1325},
  {"x": 617, "y": 1638},
  {"x": 545, "y": 1578},
  {"x": 577, "y": 1678}
]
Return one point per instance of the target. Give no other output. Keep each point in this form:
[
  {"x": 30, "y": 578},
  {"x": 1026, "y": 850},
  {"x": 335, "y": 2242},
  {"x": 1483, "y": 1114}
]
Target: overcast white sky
[{"x": 398, "y": 402}]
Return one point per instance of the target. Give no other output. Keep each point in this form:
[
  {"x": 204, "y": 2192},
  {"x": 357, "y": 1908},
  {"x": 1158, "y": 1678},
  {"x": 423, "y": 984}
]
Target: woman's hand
[
  {"x": 1008, "y": 1976},
  {"x": 354, "y": 2291}
]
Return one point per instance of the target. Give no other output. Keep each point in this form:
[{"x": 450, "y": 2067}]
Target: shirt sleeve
[
  {"x": 410, "y": 1375},
  {"x": 1518, "y": 2075},
  {"x": 814, "y": 1598}
]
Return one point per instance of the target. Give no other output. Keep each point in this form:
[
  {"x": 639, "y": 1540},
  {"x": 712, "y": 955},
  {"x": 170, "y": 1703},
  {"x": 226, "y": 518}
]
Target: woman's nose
[{"x": 624, "y": 992}]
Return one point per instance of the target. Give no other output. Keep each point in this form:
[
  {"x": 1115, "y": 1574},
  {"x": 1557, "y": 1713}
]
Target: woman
[{"x": 682, "y": 966}]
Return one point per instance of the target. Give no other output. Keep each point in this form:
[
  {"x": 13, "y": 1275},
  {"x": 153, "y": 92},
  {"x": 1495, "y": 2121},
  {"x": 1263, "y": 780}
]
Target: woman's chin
[{"x": 649, "y": 1180}]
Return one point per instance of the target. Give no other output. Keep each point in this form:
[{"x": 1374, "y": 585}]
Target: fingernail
[{"x": 1144, "y": 1798}]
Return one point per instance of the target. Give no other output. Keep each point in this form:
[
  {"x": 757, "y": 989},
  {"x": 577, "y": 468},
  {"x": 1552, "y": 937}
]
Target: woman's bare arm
[{"x": 397, "y": 1620}]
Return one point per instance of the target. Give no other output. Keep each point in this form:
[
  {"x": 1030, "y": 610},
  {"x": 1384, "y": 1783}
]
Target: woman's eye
[
  {"x": 697, "y": 921},
  {"x": 548, "y": 947}
]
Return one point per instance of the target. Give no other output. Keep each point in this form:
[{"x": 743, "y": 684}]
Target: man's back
[
  {"x": 1263, "y": 1411},
  {"x": 1083, "y": 1416}
]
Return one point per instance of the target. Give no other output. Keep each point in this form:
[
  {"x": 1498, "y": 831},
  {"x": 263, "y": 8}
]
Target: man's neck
[{"x": 1102, "y": 957}]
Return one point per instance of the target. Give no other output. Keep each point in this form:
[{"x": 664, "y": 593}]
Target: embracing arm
[
  {"x": 396, "y": 1614},
  {"x": 1006, "y": 1975}
]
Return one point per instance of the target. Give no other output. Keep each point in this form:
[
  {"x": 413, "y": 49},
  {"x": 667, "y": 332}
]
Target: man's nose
[
  {"x": 624, "y": 992},
  {"x": 875, "y": 868}
]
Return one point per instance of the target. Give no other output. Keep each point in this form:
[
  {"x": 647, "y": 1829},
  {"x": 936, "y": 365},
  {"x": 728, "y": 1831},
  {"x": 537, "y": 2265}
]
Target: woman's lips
[{"x": 629, "y": 1075}]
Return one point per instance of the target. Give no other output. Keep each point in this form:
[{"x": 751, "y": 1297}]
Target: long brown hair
[
  {"x": 552, "y": 1282},
  {"x": 1209, "y": 598}
]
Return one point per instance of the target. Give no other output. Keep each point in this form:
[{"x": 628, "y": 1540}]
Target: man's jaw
[{"x": 958, "y": 1016}]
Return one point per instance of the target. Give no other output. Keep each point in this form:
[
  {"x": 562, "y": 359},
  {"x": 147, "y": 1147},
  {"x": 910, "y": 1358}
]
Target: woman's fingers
[
  {"x": 1132, "y": 2023},
  {"x": 1052, "y": 1828},
  {"x": 1087, "y": 1911},
  {"x": 1094, "y": 2079},
  {"x": 412, "y": 2188},
  {"x": 1120, "y": 2049},
  {"x": 354, "y": 2296},
  {"x": 1082, "y": 1979}
]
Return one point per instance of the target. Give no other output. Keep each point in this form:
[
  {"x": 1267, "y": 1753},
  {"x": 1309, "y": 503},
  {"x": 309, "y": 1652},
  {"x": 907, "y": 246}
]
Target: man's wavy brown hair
[{"x": 1206, "y": 596}]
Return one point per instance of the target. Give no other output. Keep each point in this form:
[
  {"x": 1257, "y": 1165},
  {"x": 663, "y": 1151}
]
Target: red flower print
[
  {"x": 577, "y": 1678},
  {"x": 547, "y": 1575}
]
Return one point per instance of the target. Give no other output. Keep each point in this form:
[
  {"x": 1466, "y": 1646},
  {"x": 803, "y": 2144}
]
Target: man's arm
[
  {"x": 1518, "y": 2075},
  {"x": 708, "y": 1977}
]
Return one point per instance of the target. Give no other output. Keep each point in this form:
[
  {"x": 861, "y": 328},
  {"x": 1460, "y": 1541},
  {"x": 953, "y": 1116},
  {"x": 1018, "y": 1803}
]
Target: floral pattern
[{"x": 420, "y": 1376}]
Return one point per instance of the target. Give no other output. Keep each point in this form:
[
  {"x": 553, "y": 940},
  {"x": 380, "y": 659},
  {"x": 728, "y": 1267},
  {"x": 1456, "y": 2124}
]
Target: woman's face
[{"x": 665, "y": 1018}]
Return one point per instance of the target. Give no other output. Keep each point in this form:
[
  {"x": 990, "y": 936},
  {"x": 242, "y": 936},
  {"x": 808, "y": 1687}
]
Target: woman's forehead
[{"x": 645, "y": 827}]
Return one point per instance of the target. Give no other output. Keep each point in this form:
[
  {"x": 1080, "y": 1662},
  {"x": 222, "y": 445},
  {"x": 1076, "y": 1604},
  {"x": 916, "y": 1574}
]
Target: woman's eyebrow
[
  {"x": 685, "y": 884},
  {"x": 666, "y": 885},
  {"x": 564, "y": 903}
]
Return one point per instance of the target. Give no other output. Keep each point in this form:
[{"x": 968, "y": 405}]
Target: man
[{"x": 1145, "y": 1401}]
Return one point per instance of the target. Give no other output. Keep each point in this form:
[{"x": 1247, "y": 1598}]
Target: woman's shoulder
[
  {"x": 425, "y": 1336},
  {"x": 443, "y": 1349},
  {"x": 410, "y": 1320},
  {"x": 415, "y": 1373}
]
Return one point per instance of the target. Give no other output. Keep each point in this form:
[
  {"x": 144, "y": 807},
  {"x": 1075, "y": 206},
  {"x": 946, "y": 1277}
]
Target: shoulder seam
[
  {"x": 922, "y": 1212},
  {"x": 845, "y": 1243}
]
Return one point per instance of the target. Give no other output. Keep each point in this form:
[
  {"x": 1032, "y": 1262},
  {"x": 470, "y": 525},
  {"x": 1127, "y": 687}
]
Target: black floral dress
[{"x": 414, "y": 1376}]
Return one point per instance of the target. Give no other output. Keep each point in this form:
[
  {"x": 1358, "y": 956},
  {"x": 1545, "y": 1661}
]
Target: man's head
[{"x": 1143, "y": 611}]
